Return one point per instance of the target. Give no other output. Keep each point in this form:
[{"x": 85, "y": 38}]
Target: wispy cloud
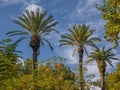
[
  {"x": 30, "y": 5},
  {"x": 26, "y": 5},
  {"x": 9, "y": 2},
  {"x": 67, "y": 52},
  {"x": 85, "y": 12}
]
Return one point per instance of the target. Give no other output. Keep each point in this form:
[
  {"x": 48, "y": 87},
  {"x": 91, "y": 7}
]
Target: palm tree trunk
[
  {"x": 102, "y": 80},
  {"x": 35, "y": 54},
  {"x": 102, "y": 69},
  {"x": 35, "y": 44},
  {"x": 81, "y": 80}
]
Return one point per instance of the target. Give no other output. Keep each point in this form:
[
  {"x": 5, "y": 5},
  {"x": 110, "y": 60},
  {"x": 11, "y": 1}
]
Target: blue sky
[{"x": 67, "y": 13}]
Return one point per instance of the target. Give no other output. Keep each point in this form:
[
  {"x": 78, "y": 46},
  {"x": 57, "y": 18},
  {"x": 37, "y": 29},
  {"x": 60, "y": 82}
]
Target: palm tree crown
[
  {"x": 79, "y": 36},
  {"x": 102, "y": 56},
  {"x": 37, "y": 25}
]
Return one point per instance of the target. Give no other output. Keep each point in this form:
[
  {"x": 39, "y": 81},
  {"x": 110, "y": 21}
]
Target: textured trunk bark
[
  {"x": 102, "y": 70},
  {"x": 35, "y": 44},
  {"x": 102, "y": 80},
  {"x": 35, "y": 54},
  {"x": 81, "y": 80}
]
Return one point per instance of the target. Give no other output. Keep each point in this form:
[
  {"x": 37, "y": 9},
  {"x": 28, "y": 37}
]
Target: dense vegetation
[
  {"x": 113, "y": 79},
  {"x": 54, "y": 74}
]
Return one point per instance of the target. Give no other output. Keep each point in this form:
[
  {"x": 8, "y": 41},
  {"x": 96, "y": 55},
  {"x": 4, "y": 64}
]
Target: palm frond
[
  {"x": 64, "y": 41},
  {"x": 50, "y": 26},
  {"x": 90, "y": 43},
  {"x": 23, "y": 25},
  {"x": 27, "y": 13},
  {"x": 42, "y": 42},
  {"x": 19, "y": 40},
  {"x": 114, "y": 58},
  {"x": 89, "y": 60},
  {"x": 17, "y": 32},
  {"x": 95, "y": 39},
  {"x": 110, "y": 63},
  {"x": 48, "y": 44},
  {"x": 24, "y": 20},
  {"x": 85, "y": 51},
  {"x": 47, "y": 24},
  {"x": 74, "y": 51},
  {"x": 47, "y": 31},
  {"x": 67, "y": 37},
  {"x": 105, "y": 55},
  {"x": 65, "y": 44}
]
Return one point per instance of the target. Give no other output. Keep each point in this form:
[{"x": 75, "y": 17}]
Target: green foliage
[
  {"x": 111, "y": 13},
  {"x": 91, "y": 82},
  {"x": 113, "y": 79},
  {"x": 9, "y": 63},
  {"x": 27, "y": 68},
  {"x": 49, "y": 76},
  {"x": 52, "y": 74},
  {"x": 8, "y": 58}
]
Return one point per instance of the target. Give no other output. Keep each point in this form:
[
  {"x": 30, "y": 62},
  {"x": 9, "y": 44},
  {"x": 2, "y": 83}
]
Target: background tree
[
  {"x": 80, "y": 37},
  {"x": 27, "y": 68},
  {"x": 10, "y": 65},
  {"x": 111, "y": 13},
  {"x": 102, "y": 57},
  {"x": 51, "y": 76},
  {"x": 113, "y": 79},
  {"x": 37, "y": 25}
]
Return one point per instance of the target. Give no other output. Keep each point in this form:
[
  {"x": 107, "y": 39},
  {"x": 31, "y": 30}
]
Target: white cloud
[
  {"x": 97, "y": 25},
  {"x": 10, "y": 2},
  {"x": 92, "y": 69},
  {"x": 33, "y": 7},
  {"x": 35, "y": 1},
  {"x": 95, "y": 88},
  {"x": 67, "y": 52},
  {"x": 21, "y": 60},
  {"x": 85, "y": 11}
]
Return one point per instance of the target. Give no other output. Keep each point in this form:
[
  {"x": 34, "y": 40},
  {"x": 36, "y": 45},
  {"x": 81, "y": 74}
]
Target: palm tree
[
  {"x": 80, "y": 37},
  {"x": 37, "y": 25},
  {"x": 102, "y": 57}
]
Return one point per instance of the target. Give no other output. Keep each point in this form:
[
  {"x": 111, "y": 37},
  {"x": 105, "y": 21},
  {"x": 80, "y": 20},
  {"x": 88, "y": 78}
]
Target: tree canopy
[
  {"x": 111, "y": 13},
  {"x": 113, "y": 79}
]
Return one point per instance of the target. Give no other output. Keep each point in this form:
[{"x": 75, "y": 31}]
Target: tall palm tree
[
  {"x": 102, "y": 57},
  {"x": 36, "y": 25},
  {"x": 80, "y": 37}
]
